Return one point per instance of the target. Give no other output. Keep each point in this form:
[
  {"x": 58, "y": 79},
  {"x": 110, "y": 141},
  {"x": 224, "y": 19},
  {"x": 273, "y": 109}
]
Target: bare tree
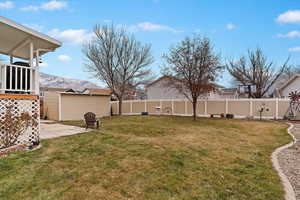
[
  {"x": 192, "y": 67},
  {"x": 118, "y": 59},
  {"x": 256, "y": 71}
]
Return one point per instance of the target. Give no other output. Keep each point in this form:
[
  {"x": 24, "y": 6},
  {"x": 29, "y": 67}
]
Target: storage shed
[{"x": 72, "y": 106}]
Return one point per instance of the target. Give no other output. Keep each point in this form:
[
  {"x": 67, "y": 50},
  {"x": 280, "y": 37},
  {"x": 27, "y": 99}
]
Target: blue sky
[{"x": 234, "y": 26}]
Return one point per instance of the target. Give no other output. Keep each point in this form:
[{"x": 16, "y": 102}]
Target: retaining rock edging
[{"x": 289, "y": 191}]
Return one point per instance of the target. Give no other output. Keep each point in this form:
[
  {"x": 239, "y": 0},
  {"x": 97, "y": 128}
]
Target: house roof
[
  {"x": 56, "y": 89},
  {"x": 97, "y": 91},
  {"x": 289, "y": 81},
  {"x": 157, "y": 80},
  {"x": 14, "y": 39},
  {"x": 228, "y": 91},
  {"x": 166, "y": 77}
]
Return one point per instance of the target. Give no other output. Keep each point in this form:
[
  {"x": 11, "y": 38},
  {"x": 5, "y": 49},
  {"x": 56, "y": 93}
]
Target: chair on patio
[{"x": 91, "y": 120}]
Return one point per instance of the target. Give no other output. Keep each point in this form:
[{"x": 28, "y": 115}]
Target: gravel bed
[{"x": 289, "y": 161}]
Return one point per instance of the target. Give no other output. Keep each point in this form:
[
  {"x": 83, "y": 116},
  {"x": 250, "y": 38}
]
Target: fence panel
[
  {"x": 114, "y": 107},
  {"x": 283, "y": 106},
  {"x": 200, "y": 109},
  {"x": 179, "y": 107},
  {"x": 167, "y": 107},
  {"x": 126, "y": 108},
  {"x": 152, "y": 107},
  {"x": 271, "y": 105},
  {"x": 216, "y": 106},
  {"x": 239, "y": 108},
  {"x": 138, "y": 107}
]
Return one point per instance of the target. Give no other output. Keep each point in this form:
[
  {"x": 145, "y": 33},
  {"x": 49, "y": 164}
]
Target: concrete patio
[{"x": 52, "y": 129}]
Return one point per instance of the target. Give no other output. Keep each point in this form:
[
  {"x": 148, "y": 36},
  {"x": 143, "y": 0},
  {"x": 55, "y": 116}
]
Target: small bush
[{"x": 14, "y": 126}]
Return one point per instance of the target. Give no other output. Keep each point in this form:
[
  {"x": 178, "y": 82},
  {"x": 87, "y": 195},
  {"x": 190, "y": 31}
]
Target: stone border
[{"x": 289, "y": 191}]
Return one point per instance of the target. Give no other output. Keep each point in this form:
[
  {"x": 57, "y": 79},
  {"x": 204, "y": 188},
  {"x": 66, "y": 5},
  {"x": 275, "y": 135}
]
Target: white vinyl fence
[{"x": 240, "y": 108}]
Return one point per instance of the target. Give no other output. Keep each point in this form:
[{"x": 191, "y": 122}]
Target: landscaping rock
[{"x": 289, "y": 161}]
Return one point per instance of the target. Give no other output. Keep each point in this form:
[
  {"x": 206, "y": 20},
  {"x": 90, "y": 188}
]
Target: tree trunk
[
  {"x": 120, "y": 106},
  {"x": 195, "y": 109}
]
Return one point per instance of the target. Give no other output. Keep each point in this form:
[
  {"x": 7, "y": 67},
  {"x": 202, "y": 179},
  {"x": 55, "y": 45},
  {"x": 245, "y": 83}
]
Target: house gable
[{"x": 292, "y": 85}]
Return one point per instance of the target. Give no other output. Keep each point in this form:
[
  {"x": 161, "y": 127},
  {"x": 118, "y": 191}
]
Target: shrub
[{"x": 14, "y": 126}]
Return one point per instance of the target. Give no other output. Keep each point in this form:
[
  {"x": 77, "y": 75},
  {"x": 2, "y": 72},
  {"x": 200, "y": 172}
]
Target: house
[
  {"x": 227, "y": 93},
  {"x": 19, "y": 81},
  {"x": 293, "y": 84},
  {"x": 159, "y": 89}
]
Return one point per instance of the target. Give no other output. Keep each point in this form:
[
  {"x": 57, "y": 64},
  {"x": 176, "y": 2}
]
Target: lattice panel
[{"x": 32, "y": 107}]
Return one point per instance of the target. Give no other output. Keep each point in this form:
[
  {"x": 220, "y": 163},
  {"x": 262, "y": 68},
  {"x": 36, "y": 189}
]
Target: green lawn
[{"x": 146, "y": 157}]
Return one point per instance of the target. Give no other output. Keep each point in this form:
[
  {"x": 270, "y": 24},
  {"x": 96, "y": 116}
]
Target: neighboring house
[
  {"x": 225, "y": 93},
  {"x": 159, "y": 90},
  {"x": 291, "y": 85}
]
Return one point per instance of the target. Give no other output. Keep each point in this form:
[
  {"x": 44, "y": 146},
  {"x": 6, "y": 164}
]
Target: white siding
[
  {"x": 293, "y": 86},
  {"x": 158, "y": 90}
]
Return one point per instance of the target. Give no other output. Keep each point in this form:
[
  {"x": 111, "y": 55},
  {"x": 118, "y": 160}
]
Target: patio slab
[{"x": 51, "y": 129}]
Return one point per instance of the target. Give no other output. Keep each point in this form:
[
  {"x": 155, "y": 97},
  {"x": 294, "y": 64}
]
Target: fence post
[
  {"x": 145, "y": 105},
  {"x": 226, "y": 106},
  {"x": 185, "y": 107},
  {"x": 131, "y": 107},
  {"x": 205, "y": 107},
  {"x": 160, "y": 107},
  {"x": 251, "y": 107},
  {"x": 276, "y": 112},
  {"x": 172, "y": 105}
]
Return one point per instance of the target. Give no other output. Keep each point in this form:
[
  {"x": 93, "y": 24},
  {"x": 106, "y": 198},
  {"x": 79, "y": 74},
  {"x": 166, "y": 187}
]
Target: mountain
[{"x": 47, "y": 80}]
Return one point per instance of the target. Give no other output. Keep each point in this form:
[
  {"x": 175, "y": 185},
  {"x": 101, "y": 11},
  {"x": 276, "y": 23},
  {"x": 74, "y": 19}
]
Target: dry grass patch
[{"x": 147, "y": 157}]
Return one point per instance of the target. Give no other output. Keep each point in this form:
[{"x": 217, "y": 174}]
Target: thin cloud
[
  {"x": 30, "y": 8},
  {"x": 54, "y": 5},
  {"x": 64, "y": 58},
  {"x": 72, "y": 36},
  {"x": 7, "y": 5},
  {"x": 47, "y": 6},
  {"x": 289, "y": 17},
  {"x": 230, "y": 26},
  {"x": 294, "y": 49},
  {"x": 292, "y": 34},
  {"x": 148, "y": 26}
]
